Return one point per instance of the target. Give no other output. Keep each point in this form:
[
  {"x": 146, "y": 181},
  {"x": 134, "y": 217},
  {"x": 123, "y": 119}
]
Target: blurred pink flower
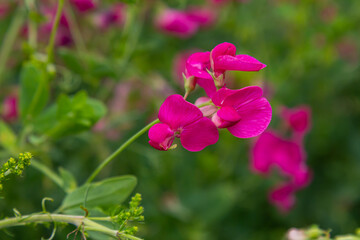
[
  {"x": 348, "y": 50},
  {"x": 63, "y": 35},
  {"x": 186, "y": 23},
  {"x": 115, "y": 15},
  {"x": 83, "y": 5},
  {"x": 298, "y": 119},
  {"x": 4, "y": 9},
  {"x": 244, "y": 112},
  {"x": 283, "y": 197},
  {"x": 271, "y": 150},
  {"x": 183, "y": 120},
  {"x": 10, "y": 109}
]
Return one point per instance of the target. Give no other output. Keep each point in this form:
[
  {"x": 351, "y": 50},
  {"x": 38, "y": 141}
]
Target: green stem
[
  {"x": 205, "y": 104},
  {"x": 10, "y": 39},
  {"x": 47, "y": 172},
  {"x": 31, "y": 24},
  {"x": 75, "y": 30},
  {"x": 50, "y": 47},
  {"x": 61, "y": 218},
  {"x": 119, "y": 150}
]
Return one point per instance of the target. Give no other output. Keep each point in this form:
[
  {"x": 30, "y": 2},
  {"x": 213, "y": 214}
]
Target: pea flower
[
  {"x": 298, "y": 119},
  {"x": 185, "y": 23},
  {"x": 114, "y": 16},
  {"x": 221, "y": 59},
  {"x": 184, "y": 120},
  {"x": 244, "y": 112},
  {"x": 83, "y": 5},
  {"x": 10, "y": 109},
  {"x": 283, "y": 197}
]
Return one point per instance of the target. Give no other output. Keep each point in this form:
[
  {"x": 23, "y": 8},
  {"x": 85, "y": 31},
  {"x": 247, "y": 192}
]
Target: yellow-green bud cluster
[
  {"x": 132, "y": 214},
  {"x": 14, "y": 166}
]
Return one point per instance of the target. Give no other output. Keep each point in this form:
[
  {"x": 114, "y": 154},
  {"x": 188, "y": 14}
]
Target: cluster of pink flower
[
  {"x": 102, "y": 18},
  {"x": 244, "y": 112},
  {"x": 184, "y": 23},
  {"x": 288, "y": 155}
]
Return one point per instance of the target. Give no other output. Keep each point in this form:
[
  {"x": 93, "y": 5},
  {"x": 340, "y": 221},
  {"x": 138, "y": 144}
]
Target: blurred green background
[{"x": 311, "y": 49}]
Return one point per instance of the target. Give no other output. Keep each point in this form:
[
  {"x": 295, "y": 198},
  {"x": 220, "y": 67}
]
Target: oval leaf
[{"x": 105, "y": 193}]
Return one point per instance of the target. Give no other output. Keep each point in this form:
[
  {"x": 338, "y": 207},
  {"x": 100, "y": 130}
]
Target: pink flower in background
[
  {"x": 115, "y": 15},
  {"x": 283, "y": 197},
  {"x": 63, "y": 35},
  {"x": 83, "y": 5},
  {"x": 176, "y": 23},
  {"x": 186, "y": 23},
  {"x": 270, "y": 150},
  {"x": 223, "y": 58},
  {"x": 298, "y": 119},
  {"x": 10, "y": 109},
  {"x": 4, "y": 9},
  {"x": 244, "y": 112},
  {"x": 183, "y": 120}
]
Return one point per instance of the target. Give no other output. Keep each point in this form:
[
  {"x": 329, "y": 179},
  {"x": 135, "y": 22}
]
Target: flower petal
[
  {"x": 239, "y": 63},
  {"x": 198, "y": 135},
  {"x": 255, "y": 118},
  {"x": 161, "y": 136},
  {"x": 261, "y": 159},
  {"x": 238, "y": 98},
  {"x": 220, "y": 50},
  {"x": 197, "y": 65},
  {"x": 283, "y": 197},
  {"x": 219, "y": 97},
  {"x": 228, "y": 113},
  {"x": 176, "y": 112},
  {"x": 208, "y": 85}
]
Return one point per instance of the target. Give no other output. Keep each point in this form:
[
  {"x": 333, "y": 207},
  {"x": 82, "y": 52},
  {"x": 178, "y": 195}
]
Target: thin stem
[
  {"x": 119, "y": 150},
  {"x": 30, "y": 4},
  {"x": 205, "y": 104},
  {"x": 61, "y": 218},
  {"x": 10, "y": 39},
  {"x": 47, "y": 172},
  {"x": 50, "y": 47},
  {"x": 75, "y": 30}
]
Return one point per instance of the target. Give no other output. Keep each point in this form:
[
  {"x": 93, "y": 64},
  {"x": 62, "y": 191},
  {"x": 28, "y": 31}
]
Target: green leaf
[
  {"x": 7, "y": 137},
  {"x": 70, "y": 115},
  {"x": 69, "y": 181},
  {"x": 111, "y": 191},
  {"x": 34, "y": 90}
]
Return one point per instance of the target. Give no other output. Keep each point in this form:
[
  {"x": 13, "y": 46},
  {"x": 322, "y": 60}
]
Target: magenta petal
[
  {"x": 202, "y": 16},
  {"x": 283, "y": 197},
  {"x": 208, "y": 85},
  {"x": 228, "y": 113},
  {"x": 219, "y": 97},
  {"x": 197, "y": 65},
  {"x": 176, "y": 112},
  {"x": 262, "y": 152},
  {"x": 198, "y": 135},
  {"x": 238, "y": 98},
  {"x": 255, "y": 118},
  {"x": 220, "y": 50},
  {"x": 161, "y": 136},
  {"x": 299, "y": 119},
  {"x": 239, "y": 63}
]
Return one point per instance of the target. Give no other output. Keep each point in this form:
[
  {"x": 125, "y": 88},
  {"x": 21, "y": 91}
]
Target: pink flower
[
  {"x": 283, "y": 197},
  {"x": 183, "y": 120},
  {"x": 63, "y": 35},
  {"x": 297, "y": 118},
  {"x": 10, "y": 109},
  {"x": 186, "y": 23},
  {"x": 244, "y": 112},
  {"x": 271, "y": 150},
  {"x": 176, "y": 23},
  {"x": 113, "y": 16},
  {"x": 83, "y": 5},
  {"x": 223, "y": 57},
  {"x": 198, "y": 65},
  {"x": 179, "y": 65},
  {"x": 4, "y": 9}
]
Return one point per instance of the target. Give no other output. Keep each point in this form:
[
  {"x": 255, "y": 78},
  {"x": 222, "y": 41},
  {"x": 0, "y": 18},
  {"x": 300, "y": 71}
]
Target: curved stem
[
  {"x": 119, "y": 150},
  {"x": 50, "y": 47},
  {"x": 10, "y": 38},
  {"x": 47, "y": 172}
]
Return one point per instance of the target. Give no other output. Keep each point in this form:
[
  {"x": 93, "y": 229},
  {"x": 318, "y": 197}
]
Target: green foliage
[
  {"x": 70, "y": 115},
  {"x": 106, "y": 193}
]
